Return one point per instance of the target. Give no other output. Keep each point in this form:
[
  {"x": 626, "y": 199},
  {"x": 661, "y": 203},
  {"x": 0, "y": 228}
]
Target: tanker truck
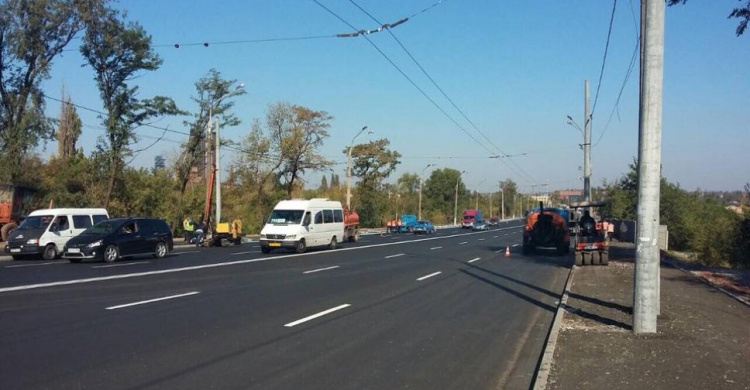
[{"x": 546, "y": 228}]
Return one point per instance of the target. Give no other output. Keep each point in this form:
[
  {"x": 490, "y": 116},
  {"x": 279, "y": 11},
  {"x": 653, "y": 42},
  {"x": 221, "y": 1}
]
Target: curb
[
  {"x": 545, "y": 366},
  {"x": 676, "y": 264}
]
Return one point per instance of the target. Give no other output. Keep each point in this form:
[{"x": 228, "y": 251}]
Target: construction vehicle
[
  {"x": 591, "y": 244},
  {"x": 351, "y": 225},
  {"x": 469, "y": 217},
  {"x": 15, "y": 204},
  {"x": 546, "y": 228},
  {"x": 405, "y": 224},
  {"x": 218, "y": 233}
]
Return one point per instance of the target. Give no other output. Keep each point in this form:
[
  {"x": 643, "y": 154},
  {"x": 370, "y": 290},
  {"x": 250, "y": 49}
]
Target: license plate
[
  {"x": 15, "y": 250},
  {"x": 274, "y": 244},
  {"x": 74, "y": 250},
  {"x": 590, "y": 246}
]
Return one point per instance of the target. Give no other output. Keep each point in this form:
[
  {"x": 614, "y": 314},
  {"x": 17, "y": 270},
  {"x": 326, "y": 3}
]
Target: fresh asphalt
[{"x": 431, "y": 311}]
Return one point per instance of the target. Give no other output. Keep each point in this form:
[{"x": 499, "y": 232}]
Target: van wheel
[
  {"x": 161, "y": 250},
  {"x": 50, "y": 252},
  {"x": 332, "y": 245},
  {"x": 301, "y": 246},
  {"x": 354, "y": 237},
  {"x": 111, "y": 254}
]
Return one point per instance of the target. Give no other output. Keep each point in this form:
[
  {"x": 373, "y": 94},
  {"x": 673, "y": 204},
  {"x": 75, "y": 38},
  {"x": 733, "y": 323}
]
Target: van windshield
[
  {"x": 286, "y": 217},
  {"x": 36, "y": 222}
]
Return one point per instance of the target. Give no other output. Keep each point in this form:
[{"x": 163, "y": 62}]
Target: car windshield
[
  {"x": 423, "y": 222},
  {"x": 286, "y": 217},
  {"x": 479, "y": 222},
  {"x": 36, "y": 222},
  {"x": 103, "y": 227}
]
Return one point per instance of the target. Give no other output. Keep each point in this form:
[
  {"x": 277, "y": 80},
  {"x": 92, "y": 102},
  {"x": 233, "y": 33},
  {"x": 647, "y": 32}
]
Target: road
[{"x": 446, "y": 311}]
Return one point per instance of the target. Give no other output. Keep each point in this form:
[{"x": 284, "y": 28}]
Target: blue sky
[{"x": 515, "y": 68}]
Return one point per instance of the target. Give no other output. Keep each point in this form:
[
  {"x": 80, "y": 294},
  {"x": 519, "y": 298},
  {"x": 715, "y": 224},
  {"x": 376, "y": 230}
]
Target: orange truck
[
  {"x": 546, "y": 228},
  {"x": 15, "y": 204}
]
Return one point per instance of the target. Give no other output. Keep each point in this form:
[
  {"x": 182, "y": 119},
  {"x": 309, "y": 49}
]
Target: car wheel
[
  {"x": 301, "y": 246},
  {"x": 50, "y": 252},
  {"x": 111, "y": 254},
  {"x": 333, "y": 243},
  {"x": 161, "y": 250}
]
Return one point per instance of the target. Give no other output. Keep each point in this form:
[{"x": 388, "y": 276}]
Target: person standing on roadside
[
  {"x": 188, "y": 228},
  {"x": 199, "y": 232}
]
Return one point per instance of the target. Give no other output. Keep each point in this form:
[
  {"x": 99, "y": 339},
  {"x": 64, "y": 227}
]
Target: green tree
[
  {"x": 742, "y": 13},
  {"x": 509, "y": 190},
  {"x": 323, "y": 184},
  {"x": 372, "y": 163},
  {"x": 300, "y": 143},
  {"x": 32, "y": 34},
  {"x": 68, "y": 129},
  {"x": 118, "y": 52},
  {"x": 440, "y": 192}
]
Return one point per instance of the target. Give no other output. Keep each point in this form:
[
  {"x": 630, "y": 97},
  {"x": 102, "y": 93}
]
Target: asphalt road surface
[{"x": 442, "y": 311}]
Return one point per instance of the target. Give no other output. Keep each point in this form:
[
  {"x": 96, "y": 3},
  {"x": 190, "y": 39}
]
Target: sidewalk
[{"x": 703, "y": 339}]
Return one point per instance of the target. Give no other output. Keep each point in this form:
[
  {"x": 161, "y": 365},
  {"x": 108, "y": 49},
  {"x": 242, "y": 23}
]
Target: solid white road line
[
  {"x": 428, "y": 276},
  {"x": 215, "y": 265},
  {"x": 152, "y": 300},
  {"x": 495, "y": 236},
  {"x": 314, "y": 316},
  {"x": 32, "y": 265},
  {"x": 514, "y": 245},
  {"x": 481, "y": 239},
  {"x": 475, "y": 259},
  {"x": 461, "y": 243},
  {"x": 436, "y": 247},
  {"x": 392, "y": 256},
  {"x": 243, "y": 253},
  {"x": 120, "y": 265},
  {"x": 320, "y": 269}
]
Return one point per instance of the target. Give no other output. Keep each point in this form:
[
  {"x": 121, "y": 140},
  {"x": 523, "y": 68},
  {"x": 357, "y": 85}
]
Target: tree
[
  {"x": 118, "y": 52},
  {"x": 209, "y": 90},
  {"x": 300, "y": 142},
  {"x": 440, "y": 191},
  {"x": 68, "y": 129},
  {"x": 742, "y": 13},
  {"x": 32, "y": 34},
  {"x": 372, "y": 163},
  {"x": 323, "y": 184},
  {"x": 509, "y": 191}
]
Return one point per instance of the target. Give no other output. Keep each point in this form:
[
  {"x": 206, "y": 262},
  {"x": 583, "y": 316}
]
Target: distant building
[{"x": 569, "y": 196}]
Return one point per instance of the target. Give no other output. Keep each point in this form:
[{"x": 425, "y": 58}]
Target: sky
[{"x": 514, "y": 68}]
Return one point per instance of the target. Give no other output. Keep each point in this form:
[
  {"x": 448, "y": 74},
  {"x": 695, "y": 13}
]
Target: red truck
[
  {"x": 15, "y": 204},
  {"x": 470, "y": 216}
]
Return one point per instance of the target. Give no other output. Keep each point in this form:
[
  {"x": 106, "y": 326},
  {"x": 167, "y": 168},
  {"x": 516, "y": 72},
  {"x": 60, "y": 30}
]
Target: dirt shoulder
[{"x": 702, "y": 342}]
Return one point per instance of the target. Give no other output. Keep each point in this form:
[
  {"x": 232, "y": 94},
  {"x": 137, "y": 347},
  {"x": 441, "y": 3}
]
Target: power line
[
  {"x": 406, "y": 77},
  {"x": 445, "y": 95},
  {"x": 604, "y": 60}
]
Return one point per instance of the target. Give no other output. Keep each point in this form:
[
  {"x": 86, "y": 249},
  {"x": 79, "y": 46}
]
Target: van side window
[
  {"x": 81, "y": 221},
  {"x": 338, "y": 215},
  {"x": 99, "y": 218},
  {"x": 319, "y": 217},
  {"x": 328, "y": 216},
  {"x": 62, "y": 223}
]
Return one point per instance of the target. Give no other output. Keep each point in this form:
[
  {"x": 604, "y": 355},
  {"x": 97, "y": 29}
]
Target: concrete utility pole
[
  {"x": 646, "y": 291},
  {"x": 455, "y": 205},
  {"x": 502, "y": 202},
  {"x": 217, "y": 157},
  {"x": 586, "y": 143},
  {"x": 349, "y": 169}
]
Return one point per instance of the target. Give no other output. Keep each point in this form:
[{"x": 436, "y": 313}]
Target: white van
[
  {"x": 298, "y": 224},
  {"x": 45, "y": 232}
]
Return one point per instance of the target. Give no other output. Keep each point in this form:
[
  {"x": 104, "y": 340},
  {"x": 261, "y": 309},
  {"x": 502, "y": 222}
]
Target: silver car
[{"x": 480, "y": 224}]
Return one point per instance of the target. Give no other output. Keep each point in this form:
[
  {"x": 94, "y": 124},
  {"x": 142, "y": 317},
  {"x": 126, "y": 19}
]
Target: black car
[{"x": 116, "y": 238}]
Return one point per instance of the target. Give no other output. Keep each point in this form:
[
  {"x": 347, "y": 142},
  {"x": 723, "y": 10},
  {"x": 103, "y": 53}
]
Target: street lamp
[
  {"x": 420, "y": 189},
  {"x": 217, "y": 164},
  {"x": 455, "y": 206},
  {"x": 349, "y": 168}
]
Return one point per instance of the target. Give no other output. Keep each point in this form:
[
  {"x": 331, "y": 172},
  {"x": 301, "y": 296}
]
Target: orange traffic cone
[{"x": 507, "y": 251}]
